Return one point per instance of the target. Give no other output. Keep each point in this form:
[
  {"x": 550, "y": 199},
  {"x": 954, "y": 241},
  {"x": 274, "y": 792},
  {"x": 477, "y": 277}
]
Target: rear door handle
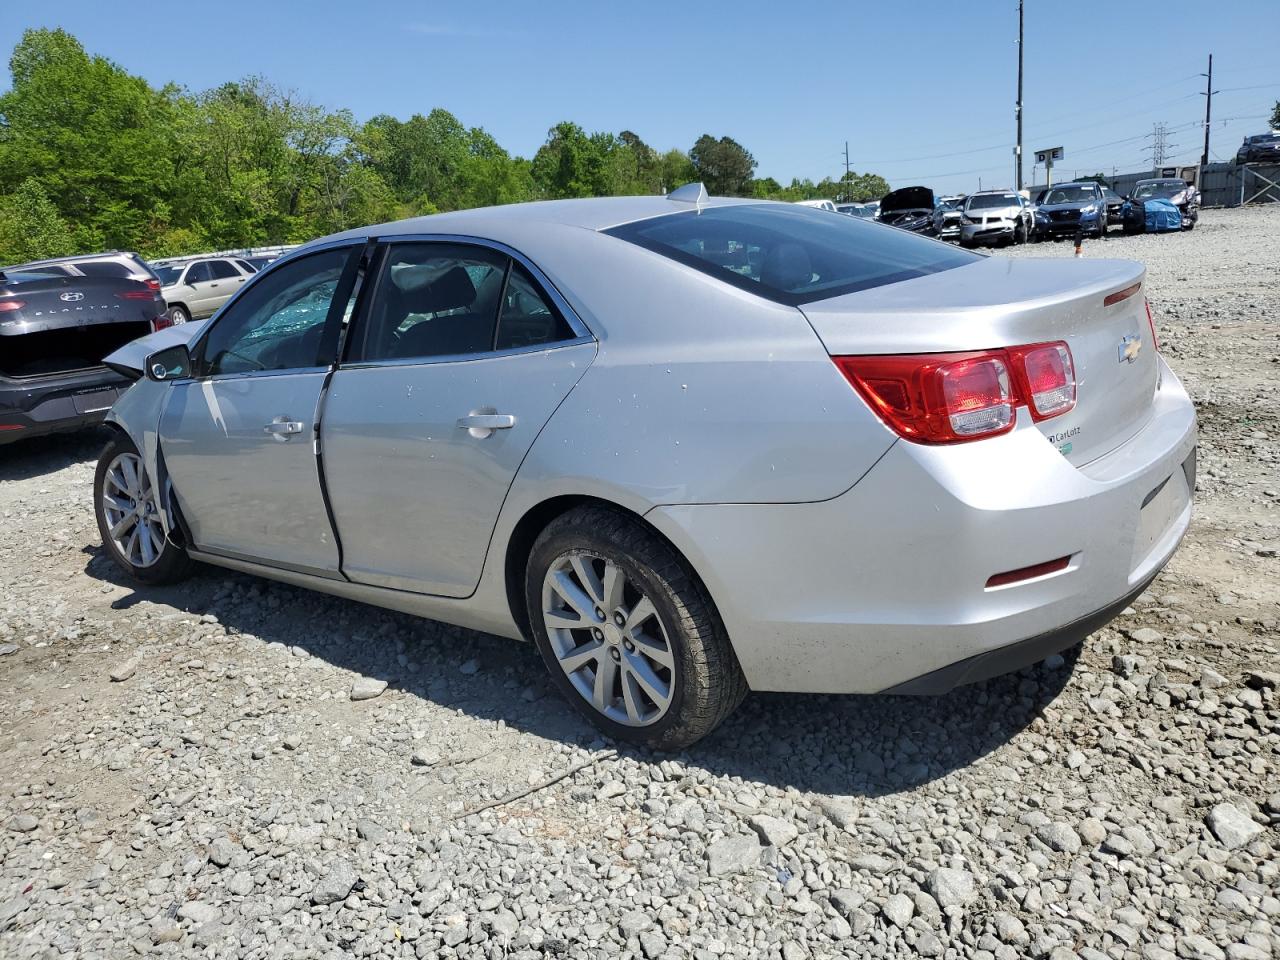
[
  {"x": 282, "y": 428},
  {"x": 481, "y": 425}
]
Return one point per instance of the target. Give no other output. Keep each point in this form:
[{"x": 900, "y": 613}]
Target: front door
[
  {"x": 239, "y": 438},
  {"x": 226, "y": 282},
  {"x": 458, "y": 364}
]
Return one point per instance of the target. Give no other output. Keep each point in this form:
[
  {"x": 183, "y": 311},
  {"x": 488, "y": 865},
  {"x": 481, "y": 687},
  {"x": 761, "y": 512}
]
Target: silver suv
[
  {"x": 114, "y": 264},
  {"x": 995, "y": 217},
  {"x": 195, "y": 289}
]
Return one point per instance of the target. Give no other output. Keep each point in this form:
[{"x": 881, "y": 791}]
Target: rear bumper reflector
[{"x": 1027, "y": 573}]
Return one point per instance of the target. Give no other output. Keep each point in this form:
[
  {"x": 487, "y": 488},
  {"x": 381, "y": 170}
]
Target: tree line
[{"x": 94, "y": 158}]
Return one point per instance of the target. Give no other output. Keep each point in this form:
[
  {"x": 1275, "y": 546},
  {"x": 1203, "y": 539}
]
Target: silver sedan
[{"x": 688, "y": 446}]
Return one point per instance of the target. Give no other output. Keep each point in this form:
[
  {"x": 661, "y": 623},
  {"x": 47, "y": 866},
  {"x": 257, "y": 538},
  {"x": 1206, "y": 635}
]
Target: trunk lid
[{"x": 1002, "y": 302}]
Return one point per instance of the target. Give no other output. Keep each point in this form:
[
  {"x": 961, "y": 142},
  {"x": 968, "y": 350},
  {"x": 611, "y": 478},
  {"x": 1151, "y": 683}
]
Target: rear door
[
  {"x": 454, "y": 369},
  {"x": 239, "y": 438},
  {"x": 227, "y": 280}
]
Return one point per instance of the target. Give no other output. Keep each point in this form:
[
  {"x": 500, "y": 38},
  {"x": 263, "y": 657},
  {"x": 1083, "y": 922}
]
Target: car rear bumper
[
  {"x": 884, "y": 588},
  {"x": 42, "y": 405}
]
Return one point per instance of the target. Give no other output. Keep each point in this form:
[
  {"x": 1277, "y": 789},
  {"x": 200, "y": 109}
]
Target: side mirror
[{"x": 171, "y": 363}]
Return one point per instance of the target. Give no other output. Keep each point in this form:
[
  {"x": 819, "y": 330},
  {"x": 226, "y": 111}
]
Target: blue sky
[{"x": 923, "y": 91}]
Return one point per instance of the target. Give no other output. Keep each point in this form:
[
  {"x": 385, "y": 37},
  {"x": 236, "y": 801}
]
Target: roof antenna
[{"x": 694, "y": 193}]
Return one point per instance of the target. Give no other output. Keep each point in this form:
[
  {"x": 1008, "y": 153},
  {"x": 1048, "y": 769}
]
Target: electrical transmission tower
[{"x": 1160, "y": 149}]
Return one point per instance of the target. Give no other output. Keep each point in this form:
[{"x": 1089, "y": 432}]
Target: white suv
[{"x": 195, "y": 289}]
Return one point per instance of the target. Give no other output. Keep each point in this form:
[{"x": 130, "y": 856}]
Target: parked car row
[{"x": 1000, "y": 217}]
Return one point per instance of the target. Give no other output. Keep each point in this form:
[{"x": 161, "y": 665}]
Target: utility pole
[
  {"x": 846, "y": 170},
  {"x": 1017, "y": 178},
  {"x": 1208, "y": 104}
]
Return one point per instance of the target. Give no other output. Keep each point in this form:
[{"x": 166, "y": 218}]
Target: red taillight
[
  {"x": 136, "y": 295},
  {"x": 10, "y": 426},
  {"x": 161, "y": 322},
  {"x": 954, "y": 397},
  {"x": 7, "y": 306},
  {"x": 936, "y": 398},
  {"x": 1049, "y": 378},
  {"x": 1151, "y": 322},
  {"x": 152, "y": 285}
]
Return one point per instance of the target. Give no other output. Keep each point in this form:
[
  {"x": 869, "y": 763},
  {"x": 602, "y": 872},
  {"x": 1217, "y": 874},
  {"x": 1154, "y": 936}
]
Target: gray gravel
[{"x": 233, "y": 768}]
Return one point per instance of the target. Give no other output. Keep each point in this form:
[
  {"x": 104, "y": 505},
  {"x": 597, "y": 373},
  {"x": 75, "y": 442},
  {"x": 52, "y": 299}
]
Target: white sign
[{"x": 1049, "y": 155}]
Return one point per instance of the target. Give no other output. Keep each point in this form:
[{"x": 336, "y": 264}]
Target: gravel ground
[{"x": 237, "y": 768}]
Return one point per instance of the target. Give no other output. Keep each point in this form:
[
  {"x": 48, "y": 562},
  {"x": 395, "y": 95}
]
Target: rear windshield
[
  {"x": 104, "y": 268},
  {"x": 791, "y": 254}
]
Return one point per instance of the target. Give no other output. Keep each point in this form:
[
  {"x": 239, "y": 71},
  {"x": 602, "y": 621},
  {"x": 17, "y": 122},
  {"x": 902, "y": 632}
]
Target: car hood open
[{"x": 907, "y": 198}]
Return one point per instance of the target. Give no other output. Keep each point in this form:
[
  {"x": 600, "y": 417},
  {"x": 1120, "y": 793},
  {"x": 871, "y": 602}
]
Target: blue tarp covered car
[{"x": 1161, "y": 216}]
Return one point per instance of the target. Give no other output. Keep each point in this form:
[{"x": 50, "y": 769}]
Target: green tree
[
  {"x": 676, "y": 170},
  {"x": 98, "y": 140},
  {"x": 723, "y": 165},
  {"x": 31, "y": 227}
]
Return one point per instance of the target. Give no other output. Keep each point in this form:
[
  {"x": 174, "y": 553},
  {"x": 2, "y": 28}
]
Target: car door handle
[
  {"x": 282, "y": 428},
  {"x": 481, "y": 425}
]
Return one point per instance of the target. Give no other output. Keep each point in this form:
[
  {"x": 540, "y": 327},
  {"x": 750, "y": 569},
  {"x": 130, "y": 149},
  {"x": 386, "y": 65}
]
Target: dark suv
[{"x": 1070, "y": 207}]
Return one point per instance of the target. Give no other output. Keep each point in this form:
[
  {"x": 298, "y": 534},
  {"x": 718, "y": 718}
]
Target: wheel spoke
[
  {"x": 612, "y": 588},
  {"x": 560, "y": 620},
  {"x": 580, "y": 656},
  {"x": 114, "y": 503},
  {"x": 630, "y": 696},
  {"x": 144, "y": 544},
  {"x": 121, "y": 527},
  {"x": 648, "y": 680},
  {"x": 655, "y": 650},
  {"x": 641, "y": 612},
  {"x": 130, "y": 471},
  {"x": 585, "y": 570},
  {"x": 574, "y": 596},
  {"x": 606, "y": 671},
  {"x": 131, "y": 546}
]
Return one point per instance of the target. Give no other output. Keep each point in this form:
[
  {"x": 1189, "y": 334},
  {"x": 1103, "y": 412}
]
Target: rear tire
[
  {"x": 651, "y": 663},
  {"x": 125, "y": 503}
]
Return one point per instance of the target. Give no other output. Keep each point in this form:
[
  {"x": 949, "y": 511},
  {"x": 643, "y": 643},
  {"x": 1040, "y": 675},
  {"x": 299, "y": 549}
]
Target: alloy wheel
[
  {"x": 608, "y": 638},
  {"x": 128, "y": 504}
]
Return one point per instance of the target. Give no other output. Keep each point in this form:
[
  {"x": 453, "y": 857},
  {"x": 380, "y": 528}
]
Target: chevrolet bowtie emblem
[{"x": 1130, "y": 347}]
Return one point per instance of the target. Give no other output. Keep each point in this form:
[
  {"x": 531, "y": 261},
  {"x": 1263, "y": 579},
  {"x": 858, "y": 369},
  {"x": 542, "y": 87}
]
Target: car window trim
[
  {"x": 360, "y": 317},
  {"x": 198, "y": 345}
]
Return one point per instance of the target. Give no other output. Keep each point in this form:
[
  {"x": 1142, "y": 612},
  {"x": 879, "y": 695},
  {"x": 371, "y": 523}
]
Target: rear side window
[
  {"x": 222, "y": 270},
  {"x": 791, "y": 254},
  {"x": 528, "y": 318},
  {"x": 103, "y": 268}
]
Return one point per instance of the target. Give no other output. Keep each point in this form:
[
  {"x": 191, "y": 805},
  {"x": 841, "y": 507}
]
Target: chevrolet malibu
[{"x": 690, "y": 447}]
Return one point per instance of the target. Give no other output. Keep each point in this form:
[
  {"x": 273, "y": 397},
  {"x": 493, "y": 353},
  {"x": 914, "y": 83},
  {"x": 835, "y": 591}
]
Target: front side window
[
  {"x": 198, "y": 273},
  {"x": 278, "y": 322},
  {"x": 222, "y": 270},
  {"x": 791, "y": 254}
]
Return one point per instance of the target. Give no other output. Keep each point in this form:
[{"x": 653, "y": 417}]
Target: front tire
[
  {"x": 179, "y": 314},
  {"x": 127, "y": 508},
  {"x": 628, "y": 632}
]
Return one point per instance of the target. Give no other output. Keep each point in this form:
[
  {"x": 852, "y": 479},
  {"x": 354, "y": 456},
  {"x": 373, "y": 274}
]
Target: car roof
[
  {"x": 85, "y": 257},
  {"x": 590, "y": 213}
]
